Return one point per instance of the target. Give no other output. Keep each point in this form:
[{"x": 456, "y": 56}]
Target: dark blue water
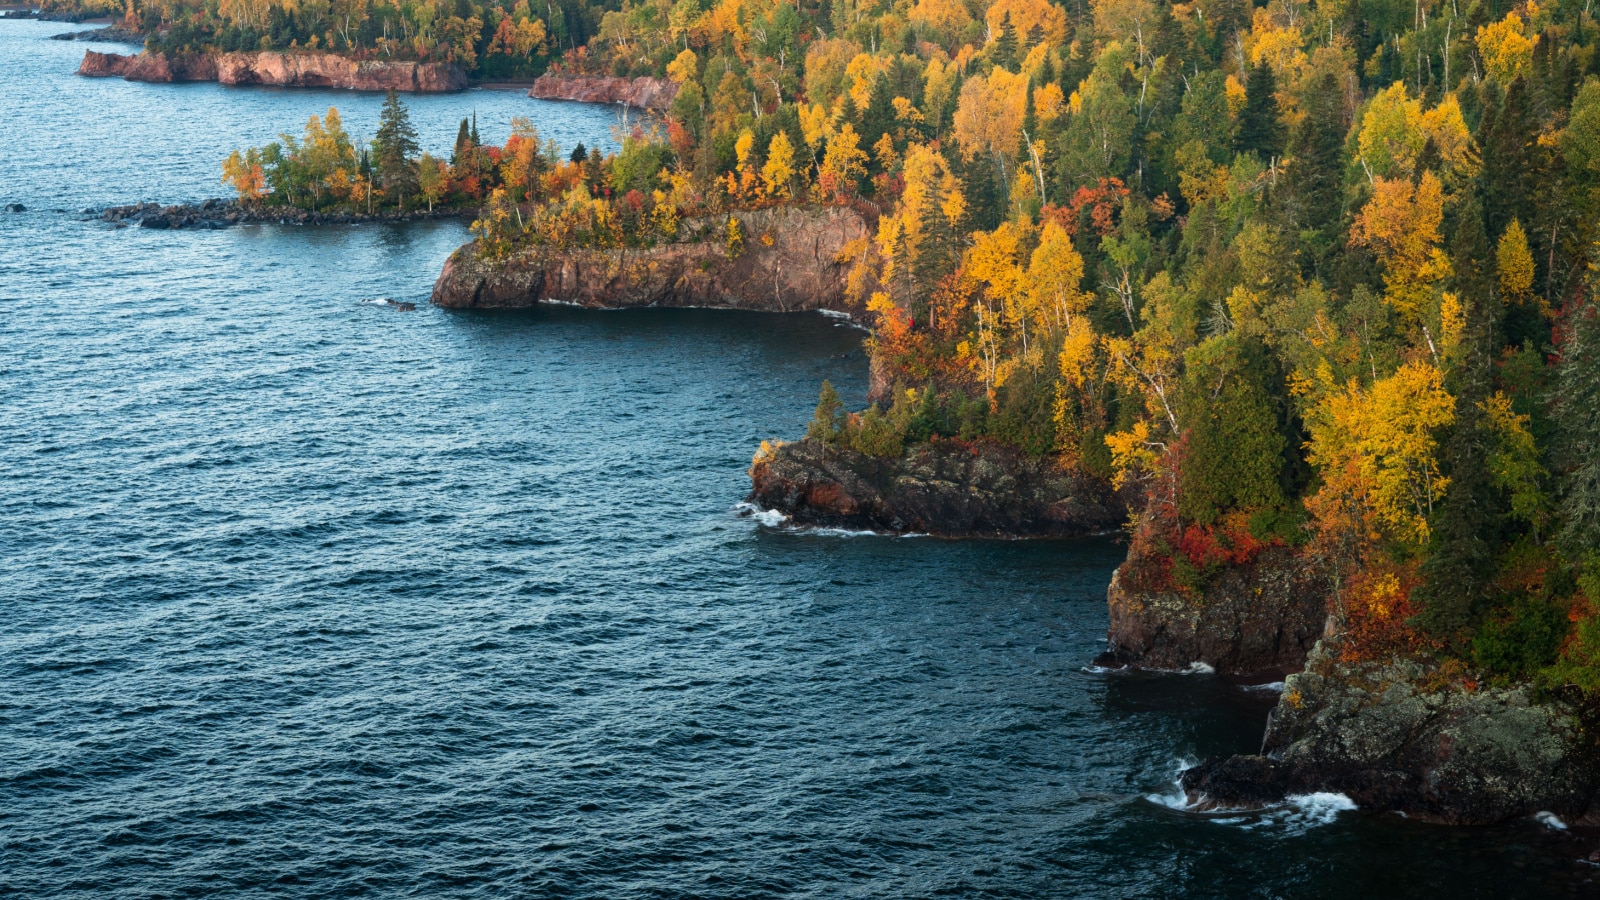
[{"x": 306, "y": 597}]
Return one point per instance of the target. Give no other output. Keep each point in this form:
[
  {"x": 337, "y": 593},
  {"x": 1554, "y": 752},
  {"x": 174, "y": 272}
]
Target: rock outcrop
[
  {"x": 1381, "y": 734},
  {"x": 217, "y": 213},
  {"x": 277, "y": 69},
  {"x": 645, "y": 93},
  {"x": 1264, "y": 616},
  {"x": 111, "y": 34},
  {"x": 949, "y": 488},
  {"x": 791, "y": 261}
]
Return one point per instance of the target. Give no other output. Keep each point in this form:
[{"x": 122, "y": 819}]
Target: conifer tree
[
  {"x": 1315, "y": 181},
  {"x": 1577, "y": 416},
  {"x": 463, "y": 144},
  {"x": 1466, "y": 527},
  {"x": 827, "y": 423},
  {"x": 1004, "y": 48},
  {"x": 1260, "y": 126},
  {"x": 395, "y": 147}
]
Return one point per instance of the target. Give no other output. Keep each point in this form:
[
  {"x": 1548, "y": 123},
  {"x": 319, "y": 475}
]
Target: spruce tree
[
  {"x": 1507, "y": 137},
  {"x": 1003, "y": 50},
  {"x": 395, "y": 147},
  {"x": 1577, "y": 420},
  {"x": 878, "y": 120},
  {"x": 1315, "y": 183},
  {"x": 463, "y": 144},
  {"x": 827, "y": 423},
  {"x": 1260, "y": 126},
  {"x": 1465, "y": 529},
  {"x": 579, "y": 153}
]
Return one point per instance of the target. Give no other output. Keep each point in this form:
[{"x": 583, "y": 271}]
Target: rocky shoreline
[
  {"x": 213, "y": 214},
  {"x": 277, "y": 69},
  {"x": 654, "y": 94},
  {"x": 790, "y": 262},
  {"x": 111, "y": 34},
  {"x": 946, "y": 488}
]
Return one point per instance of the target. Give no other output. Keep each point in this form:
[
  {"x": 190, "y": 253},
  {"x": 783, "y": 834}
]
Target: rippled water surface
[{"x": 309, "y": 597}]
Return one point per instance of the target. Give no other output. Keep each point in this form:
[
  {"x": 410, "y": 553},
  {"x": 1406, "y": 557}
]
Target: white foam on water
[
  {"x": 834, "y": 313},
  {"x": 1275, "y": 687},
  {"x": 1297, "y": 814},
  {"x": 1320, "y": 808},
  {"x": 1177, "y": 798},
  {"x": 1550, "y": 820},
  {"x": 1198, "y": 668}
]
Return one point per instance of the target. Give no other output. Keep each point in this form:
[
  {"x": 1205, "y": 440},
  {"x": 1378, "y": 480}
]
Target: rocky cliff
[
  {"x": 790, "y": 262},
  {"x": 1387, "y": 736},
  {"x": 644, "y": 93},
  {"x": 1259, "y": 617},
  {"x": 277, "y": 69},
  {"x": 947, "y": 488}
]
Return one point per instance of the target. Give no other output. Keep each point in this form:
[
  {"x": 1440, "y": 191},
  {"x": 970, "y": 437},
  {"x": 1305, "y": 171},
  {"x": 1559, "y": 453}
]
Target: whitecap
[
  {"x": 1275, "y": 687},
  {"x": 1550, "y": 820},
  {"x": 834, "y": 313},
  {"x": 1199, "y": 668}
]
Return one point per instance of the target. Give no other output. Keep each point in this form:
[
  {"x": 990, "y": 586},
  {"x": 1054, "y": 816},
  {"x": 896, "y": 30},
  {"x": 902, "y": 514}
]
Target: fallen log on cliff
[
  {"x": 790, "y": 262},
  {"x": 948, "y": 488}
]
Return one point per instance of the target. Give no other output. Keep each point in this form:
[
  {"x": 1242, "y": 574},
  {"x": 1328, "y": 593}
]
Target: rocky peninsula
[
  {"x": 277, "y": 69},
  {"x": 216, "y": 213},
  {"x": 654, "y": 94},
  {"x": 790, "y": 261}
]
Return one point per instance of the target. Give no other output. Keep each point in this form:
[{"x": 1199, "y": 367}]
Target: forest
[{"x": 1315, "y": 276}]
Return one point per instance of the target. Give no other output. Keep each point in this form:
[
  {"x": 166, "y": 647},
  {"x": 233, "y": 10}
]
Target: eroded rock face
[
  {"x": 643, "y": 92},
  {"x": 945, "y": 488},
  {"x": 790, "y": 262},
  {"x": 1260, "y": 617},
  {"x": 1380, "y": 734},
  {"x": 277, "y": 69}
]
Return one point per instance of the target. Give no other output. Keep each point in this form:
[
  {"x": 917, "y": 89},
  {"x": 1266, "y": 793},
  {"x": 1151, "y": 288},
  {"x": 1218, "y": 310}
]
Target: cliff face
[
  {"x": 790, "y": 262},
  {"x": 644, "y": 93},
  {"x": 1262, "y": 616},
  {"x": 1385, "y": 737},
  {"x": 943, "y": 488},
  {"x": 277, "y": 69}
]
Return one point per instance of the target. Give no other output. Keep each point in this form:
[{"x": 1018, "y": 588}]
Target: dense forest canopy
[{"x": 1316, "y": 275}]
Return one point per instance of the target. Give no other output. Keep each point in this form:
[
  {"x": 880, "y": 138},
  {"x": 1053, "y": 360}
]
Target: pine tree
[
  {"x": 579, "y": 153},
  {"x": 879, "y": 117},
  {"x": 1507, "y": 136},
  {"x": 395, "y": 147},
  {"x": 1260, "y": 126},
  {"x": 463, "y": 144}
]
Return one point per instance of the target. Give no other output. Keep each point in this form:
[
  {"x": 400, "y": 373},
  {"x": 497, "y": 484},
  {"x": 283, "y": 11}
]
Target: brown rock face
[
  {"x": 277, "y": 69},
  {"x": 644, "y": 93},
  {"x": 1259, "y": 617},
  {"x": 945, "y": 488},
  {"x": 799, "y": 269}
]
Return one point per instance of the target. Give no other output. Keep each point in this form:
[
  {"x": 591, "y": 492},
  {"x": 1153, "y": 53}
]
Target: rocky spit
[
  {"x": 111, "y": 34},
  {"x": 226, "y": 213},
  {"x": 277, "y": 69},
  {"x": 645, "y": 93},
  {"x": 948, "y": 488},
  {"x": 793, "y": 259}
]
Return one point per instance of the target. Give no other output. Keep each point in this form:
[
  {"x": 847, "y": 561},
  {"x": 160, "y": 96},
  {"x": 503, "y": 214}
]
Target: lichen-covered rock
[
  {"x": 277, "y": 69},
  {"x": 1262, "y": 616},
  {"x": 1386, "y": 737},
  {"x": 643, "y": 92},
  {"x": 946, "y": 488},
  {"x": 790, "y": 262}
]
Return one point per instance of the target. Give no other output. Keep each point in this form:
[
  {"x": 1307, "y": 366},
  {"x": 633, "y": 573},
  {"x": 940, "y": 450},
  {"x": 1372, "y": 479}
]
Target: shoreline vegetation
[{"x": 1316, "y": 289}]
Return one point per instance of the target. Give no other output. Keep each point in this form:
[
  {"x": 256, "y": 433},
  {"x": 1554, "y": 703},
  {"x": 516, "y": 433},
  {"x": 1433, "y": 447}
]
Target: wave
[
  {"x": 1297, "y": 814},
  {"x": 1550, "y": 820}
]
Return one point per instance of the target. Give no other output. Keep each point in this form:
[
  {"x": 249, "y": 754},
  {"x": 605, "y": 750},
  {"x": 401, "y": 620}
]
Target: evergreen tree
[
  {"x": 395, "y": 147},
  {"x": 463, "y": 144},
  {"x": 476, "y": 142},
  {"x": 1577, "y": 418},
  {"x": 1315, "y": 183},
  {"x": 579, "y": 153},
  {"x": 1465, "y": 528},
  {"x": 1507, "y": 136},
  {"x": 827, "y": 423},
  {"x": 1260, "y": 126},
  {"x": 1234, "y": 455},
  {"x": 878, "y": 120},
  {"x": 1004, "y": 48}
]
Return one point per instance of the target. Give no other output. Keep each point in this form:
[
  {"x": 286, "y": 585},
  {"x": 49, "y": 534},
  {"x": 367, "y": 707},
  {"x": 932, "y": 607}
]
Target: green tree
[
  {"x": 1577, "y": 418},
  {"x": 827, "y": 423},
  {"x": 395, "y": 149},
  {"x": 1260, "y": 126}
]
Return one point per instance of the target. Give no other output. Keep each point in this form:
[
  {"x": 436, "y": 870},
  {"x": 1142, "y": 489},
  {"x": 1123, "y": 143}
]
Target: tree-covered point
[{"x": 488, "y": 38}]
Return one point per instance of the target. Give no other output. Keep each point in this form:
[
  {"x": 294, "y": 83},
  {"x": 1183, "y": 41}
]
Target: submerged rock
[
  {"x": 1383, "y": 735},
  {"x": 277, "y": 69},
  {"x": 1263, "y": 616},
  {"x": 947, "y": 488},
  {"x": 791, "y": 261}
]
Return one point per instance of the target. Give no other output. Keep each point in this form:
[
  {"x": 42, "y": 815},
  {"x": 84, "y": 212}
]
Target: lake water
[{"x": 308, "y": 597}]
